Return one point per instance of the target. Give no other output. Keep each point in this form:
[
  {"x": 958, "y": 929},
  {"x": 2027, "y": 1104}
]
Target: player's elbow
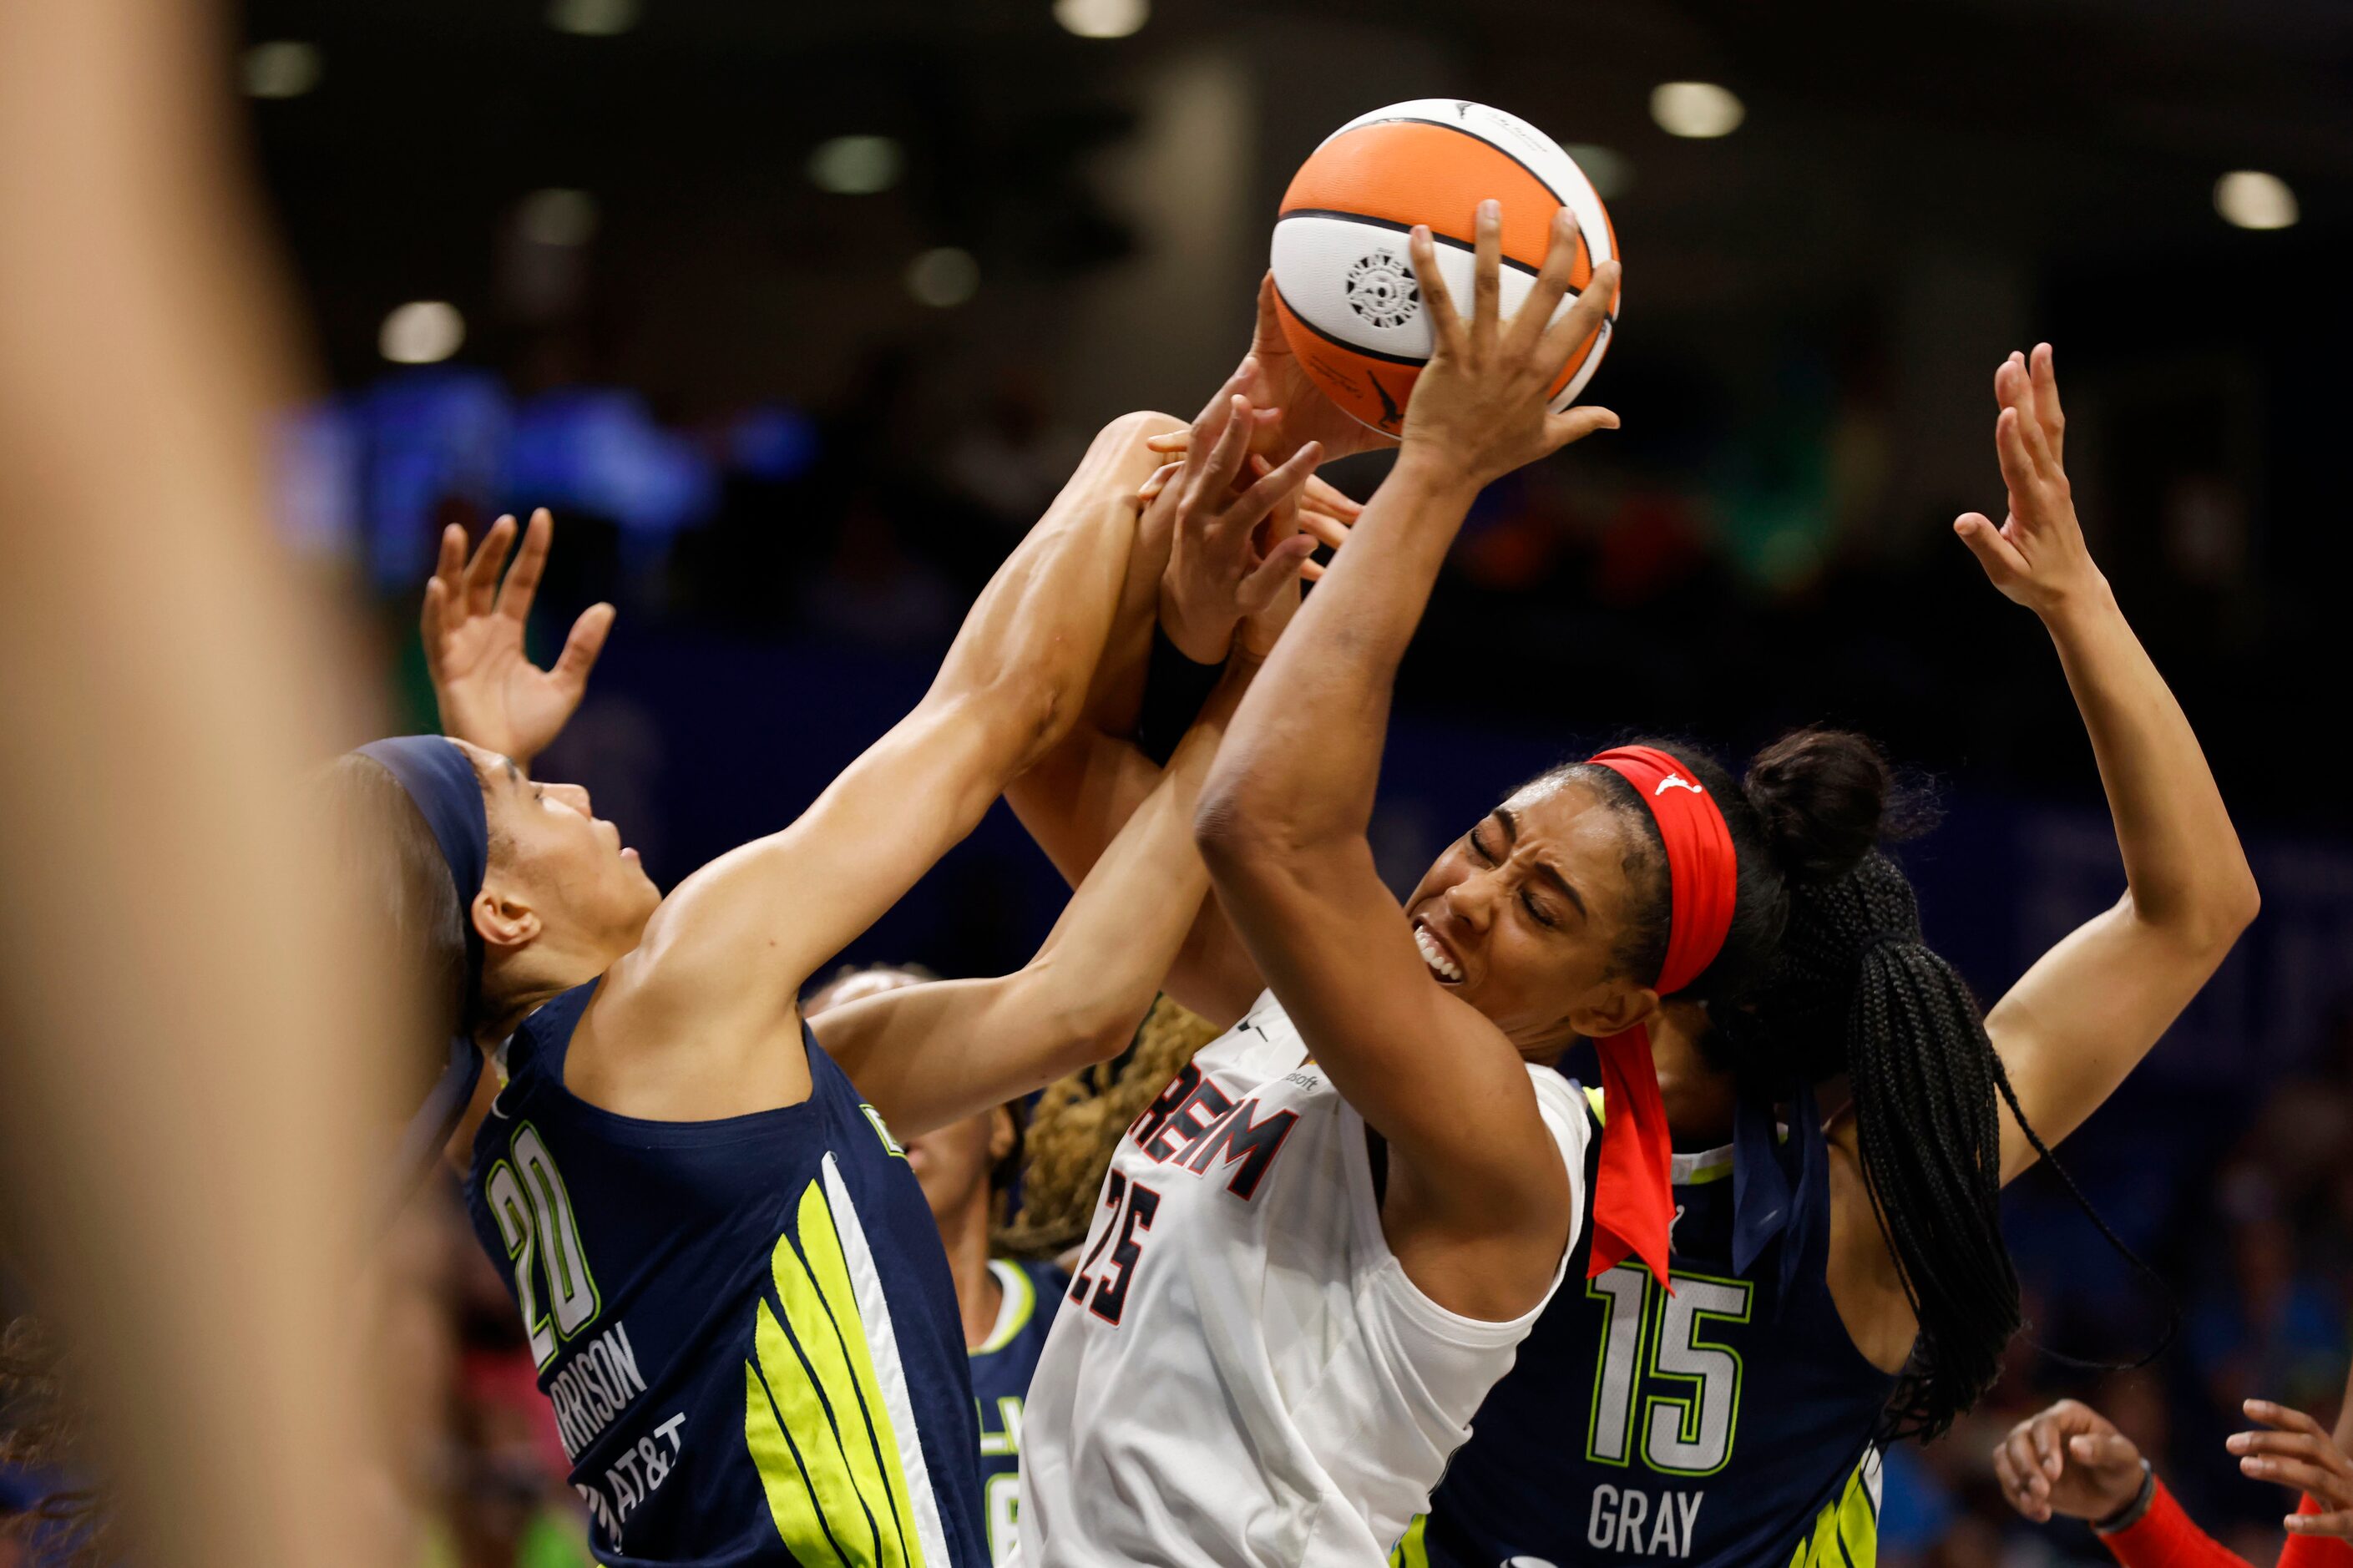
[
  {"x": 2241, "y": 901},
  {"x": 1233, "y": 832},
  {"x": 1012, "y": 715},
  {"x": 2233, "y": 907},
  {"x": 2205, "y": 922},
  {"x": 1080, "y": 1025}
]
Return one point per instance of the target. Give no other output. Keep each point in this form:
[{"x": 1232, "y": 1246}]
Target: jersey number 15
[{"x": 1658, "y": 1379}]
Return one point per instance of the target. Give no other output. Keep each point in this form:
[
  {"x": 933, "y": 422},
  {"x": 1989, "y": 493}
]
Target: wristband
[
  {"x": 1175, "y": 688},
  {"x": 2133, "y": 1512}
]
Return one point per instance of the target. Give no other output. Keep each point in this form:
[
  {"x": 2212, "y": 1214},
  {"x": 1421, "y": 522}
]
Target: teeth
[{"x": 1435, "y": 956}]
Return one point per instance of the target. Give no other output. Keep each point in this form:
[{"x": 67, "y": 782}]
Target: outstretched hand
[
  {"x": 2069, "y": 1460},
  {"x": 1326, "y": 511},
  {"x": 2037, "y": 557},
  {"x": 2298, "y": 1452},
  {"x": 1478, "y": 409},
  {"x": 1236, "y": 550},
  {"x": 488, "y": 690}
]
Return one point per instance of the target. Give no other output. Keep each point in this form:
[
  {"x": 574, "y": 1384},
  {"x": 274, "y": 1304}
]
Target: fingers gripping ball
[{"x": 1345, "y": 289}]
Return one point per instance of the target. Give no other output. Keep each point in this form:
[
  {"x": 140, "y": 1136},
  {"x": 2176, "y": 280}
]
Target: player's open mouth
[{"x": 1434, "y": 953}]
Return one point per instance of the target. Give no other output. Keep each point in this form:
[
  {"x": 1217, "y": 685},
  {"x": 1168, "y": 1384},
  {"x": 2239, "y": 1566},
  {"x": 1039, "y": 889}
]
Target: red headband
[{"x": 1633, "y": 1196}]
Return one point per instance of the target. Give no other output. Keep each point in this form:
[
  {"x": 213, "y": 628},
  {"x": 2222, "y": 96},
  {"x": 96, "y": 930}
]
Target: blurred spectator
[{"x": 2266, "y": 1320}]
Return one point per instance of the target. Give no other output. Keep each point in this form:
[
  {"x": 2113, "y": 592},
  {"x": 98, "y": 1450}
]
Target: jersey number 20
[
  {"x": 529, "y": 1199},
  {"x": 1659, "y": 1378}
]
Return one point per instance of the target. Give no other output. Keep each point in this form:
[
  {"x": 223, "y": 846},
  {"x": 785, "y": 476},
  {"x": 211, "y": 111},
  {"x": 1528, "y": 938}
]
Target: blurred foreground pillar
[{"x": 188, "y": 1051}]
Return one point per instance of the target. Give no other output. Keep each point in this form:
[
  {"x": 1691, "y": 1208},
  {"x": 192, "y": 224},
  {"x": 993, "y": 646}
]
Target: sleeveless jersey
[
  {"x": 1241, "y": 1372},
  {"x": 1002, "y": 1367},
  {"x": 746, "y": 1326},
  {"x": 1715, "y": 1427}
]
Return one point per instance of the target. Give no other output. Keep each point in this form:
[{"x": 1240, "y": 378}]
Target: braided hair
[
  {"x": 42, "y": 1428},
  {"x": 1077, "y": 1127},
  {"x": 1855, "y": 988}
]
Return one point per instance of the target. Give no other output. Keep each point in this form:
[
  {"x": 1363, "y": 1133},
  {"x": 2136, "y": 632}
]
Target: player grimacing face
[
  {"x": 1522, "y": 915},
  {"x": 559, "y": 872}
]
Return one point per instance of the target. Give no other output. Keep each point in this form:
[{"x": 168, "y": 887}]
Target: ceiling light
[
  {"x": 282, "y": 67},
  {"x": 558, "y": 218},
  {"x": 592, "y": 18},
  {"x": 422, "y": 331},
  {"x": 943, "y": 277},
  {"x": 1696, "y": 109},
  {"x": 2249, "y": 198},
  {"x": 855, "y": 165},
  {"x": 1102, "y": 18}
]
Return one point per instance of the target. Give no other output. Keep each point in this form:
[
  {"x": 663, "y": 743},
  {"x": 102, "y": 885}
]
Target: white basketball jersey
[{"x": 1241, "y": 1372}]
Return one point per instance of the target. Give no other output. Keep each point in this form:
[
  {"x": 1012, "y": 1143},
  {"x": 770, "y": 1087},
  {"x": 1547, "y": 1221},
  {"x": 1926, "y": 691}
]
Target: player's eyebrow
[
  {"x": 514, "y": 773},
  {"x": 1544, "y": 869}
]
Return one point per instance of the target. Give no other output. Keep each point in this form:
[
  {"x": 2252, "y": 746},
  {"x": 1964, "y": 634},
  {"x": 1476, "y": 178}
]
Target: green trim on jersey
[{"x": 1021, "y": 1297}]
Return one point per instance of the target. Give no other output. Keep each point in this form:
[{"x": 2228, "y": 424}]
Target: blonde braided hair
[
  {"x": 1078, "y": 1122},
  {"x": 41, "y": 1428}
]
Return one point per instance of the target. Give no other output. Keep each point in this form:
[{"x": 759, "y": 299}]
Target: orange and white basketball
[{"x": 1345, "y": 285}]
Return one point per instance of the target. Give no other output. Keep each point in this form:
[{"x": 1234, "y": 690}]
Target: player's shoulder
[
  {"x": 1263, "y": 1044},
  {"x": 1573, "y": 1111}
]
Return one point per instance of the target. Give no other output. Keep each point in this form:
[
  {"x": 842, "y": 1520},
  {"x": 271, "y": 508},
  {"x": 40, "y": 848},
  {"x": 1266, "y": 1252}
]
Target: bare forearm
[
  {"x": 1303, "y": 755},
  {"x": 2182, "y": 857},
  {"x": 1031, "y": 644},
  {"x": 1123, "y": 929},
  {"x": 933, "y": 1053}
]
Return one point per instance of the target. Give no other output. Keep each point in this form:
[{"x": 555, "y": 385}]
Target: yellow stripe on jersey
[
  {"x": 1846, "y": 1533},
  {"x": 853, "y": 1417},
  {"x": 792, "y": 1499},
  {"x": 831, "y": 1460},
  {"x": 815, "y": 1421},
  {"x": 1410, "y": 1552}
]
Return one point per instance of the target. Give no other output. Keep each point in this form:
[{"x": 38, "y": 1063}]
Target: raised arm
[
  {"x": 1473, "y": 1170},
  {"x": 931, "y": 1054},
  {"x": 723, "y": 960},
  {"x": 927, "y": 1055},
  {"x": 1217, "y": 580},
  {"x": 2092, "y": 1007},
  {"x": 472, "y": 625}
]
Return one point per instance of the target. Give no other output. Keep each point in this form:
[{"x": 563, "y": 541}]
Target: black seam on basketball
[
  {"x": 1459, "y": 131},
  {"x": 1445, "y": 240},
  {"x": 1406, "y": 360}
]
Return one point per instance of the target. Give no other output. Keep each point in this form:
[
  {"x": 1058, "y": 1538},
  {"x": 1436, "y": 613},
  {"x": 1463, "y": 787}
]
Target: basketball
[{"x": 1345, "y": 286}]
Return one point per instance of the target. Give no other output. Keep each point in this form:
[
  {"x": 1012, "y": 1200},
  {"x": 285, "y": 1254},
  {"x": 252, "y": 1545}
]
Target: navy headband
[{"x": 440, "y": 780}]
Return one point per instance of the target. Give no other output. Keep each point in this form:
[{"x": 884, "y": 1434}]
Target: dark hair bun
[{"x": 1822, "y": 796}]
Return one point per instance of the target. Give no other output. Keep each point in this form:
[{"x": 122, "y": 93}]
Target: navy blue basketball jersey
[
  {"x": 746, "y": 1326},
  {"x": 1719, "y": 1427},
  {"x": 1001, "y": 1368}
]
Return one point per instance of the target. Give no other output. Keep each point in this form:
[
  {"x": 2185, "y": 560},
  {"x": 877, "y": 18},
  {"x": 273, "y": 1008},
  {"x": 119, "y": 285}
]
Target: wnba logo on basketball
[
  {"x": 1382, "y": 290},
  {"x": 1350, "y": 304}
]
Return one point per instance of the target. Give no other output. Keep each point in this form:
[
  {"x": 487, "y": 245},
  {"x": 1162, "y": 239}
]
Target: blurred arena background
[{"x": 797, "y": 314}]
